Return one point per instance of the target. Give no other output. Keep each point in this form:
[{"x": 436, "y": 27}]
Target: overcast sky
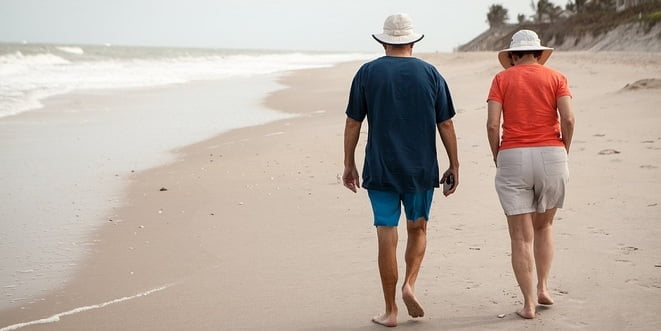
[{"x": 326, "y": 25}]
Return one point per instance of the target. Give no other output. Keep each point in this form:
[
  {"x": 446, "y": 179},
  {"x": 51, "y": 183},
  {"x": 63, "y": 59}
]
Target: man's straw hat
[{"x": 398, "y": 30}]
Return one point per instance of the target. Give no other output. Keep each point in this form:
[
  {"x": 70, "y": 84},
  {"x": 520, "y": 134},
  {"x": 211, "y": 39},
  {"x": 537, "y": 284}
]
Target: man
[
  {"x": 405, "y": 101},
  {"x": 531, "y": 157}
]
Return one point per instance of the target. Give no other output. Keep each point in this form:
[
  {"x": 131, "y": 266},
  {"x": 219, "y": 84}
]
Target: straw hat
[
  {"x": 524, "y": 40},
  {"x": 398, "y": 30}
]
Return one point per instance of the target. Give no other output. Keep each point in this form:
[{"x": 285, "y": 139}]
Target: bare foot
[
  {"x": 544, "y": 298},
  {"x": 389, "y": 320},
  {"x": 412, "y": 304},
  {"x": 527, "y": 313}
]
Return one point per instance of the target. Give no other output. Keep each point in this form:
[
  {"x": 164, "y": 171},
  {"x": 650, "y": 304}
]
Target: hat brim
[
  {"x": 402, "y": 40},
  {"x": 506, "y": 62}
]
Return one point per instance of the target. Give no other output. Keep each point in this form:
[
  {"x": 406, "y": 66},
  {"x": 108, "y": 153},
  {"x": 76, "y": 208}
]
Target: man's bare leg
[
  {"x": 542, "y": 223},
  {"x": 521, "y": 235},
  {"x": 415, "y": 251},
  {"x": 387, "y": 236}
]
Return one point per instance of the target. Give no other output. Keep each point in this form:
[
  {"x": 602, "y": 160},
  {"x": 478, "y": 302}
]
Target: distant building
[{"x": 621, "y": 5}]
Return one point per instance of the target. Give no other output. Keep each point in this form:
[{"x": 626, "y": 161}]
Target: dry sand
[{"x": 254, "y": 230}]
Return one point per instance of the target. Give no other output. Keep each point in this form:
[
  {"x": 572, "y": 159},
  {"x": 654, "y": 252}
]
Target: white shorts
[{"x": 531, "y": 179}]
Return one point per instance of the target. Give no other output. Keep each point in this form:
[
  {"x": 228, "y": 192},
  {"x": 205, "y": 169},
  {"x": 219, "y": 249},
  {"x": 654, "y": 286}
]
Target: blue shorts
[{"x": 386, "y": 206}]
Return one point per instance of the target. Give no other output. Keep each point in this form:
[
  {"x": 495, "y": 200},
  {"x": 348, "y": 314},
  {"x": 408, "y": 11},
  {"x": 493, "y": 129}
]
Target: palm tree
[
  {"x": 497, "y": 16},
  {"x": 544, "y": 8},
  {"x": 554, "y": 12},
  {"x": 576, "y": 6},
  {"x": 600, "y": 5}
]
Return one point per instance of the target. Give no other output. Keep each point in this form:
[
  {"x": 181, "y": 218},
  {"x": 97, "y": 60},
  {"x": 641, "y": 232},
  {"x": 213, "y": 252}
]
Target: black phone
[{"x": 449, "y": 183}]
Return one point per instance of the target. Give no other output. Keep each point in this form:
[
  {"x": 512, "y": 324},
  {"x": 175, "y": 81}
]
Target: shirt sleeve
[
  {"x": 563, "y": 87},
  {"x": 444, "y": 105},
  {"x": 495, "y": 93},
  {"x": 357, "y": 105}
]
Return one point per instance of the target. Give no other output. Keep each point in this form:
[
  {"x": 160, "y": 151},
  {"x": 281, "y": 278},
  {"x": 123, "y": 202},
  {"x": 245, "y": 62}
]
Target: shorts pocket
[
  {"x": 508, "y": 163},
  {"x": 555, "y": 162}
]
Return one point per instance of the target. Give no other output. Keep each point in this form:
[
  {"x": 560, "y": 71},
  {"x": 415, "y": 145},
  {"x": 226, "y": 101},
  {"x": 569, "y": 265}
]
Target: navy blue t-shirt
[{"x": 403, "y": 98}]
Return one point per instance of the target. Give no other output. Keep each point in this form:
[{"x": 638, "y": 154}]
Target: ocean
[
  {"x": 78, "y": 121},
  {"x": 29, "y": 73}
]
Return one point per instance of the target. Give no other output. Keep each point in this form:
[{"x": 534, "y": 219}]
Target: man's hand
[
  {"x": 350, "y": 178},
  {"x": 455, "y": 174}
]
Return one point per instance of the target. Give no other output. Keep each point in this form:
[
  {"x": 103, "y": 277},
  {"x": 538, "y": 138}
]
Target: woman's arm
[
  {"x": 493, "y": 126},
  {"x": 566, "y": 120}
]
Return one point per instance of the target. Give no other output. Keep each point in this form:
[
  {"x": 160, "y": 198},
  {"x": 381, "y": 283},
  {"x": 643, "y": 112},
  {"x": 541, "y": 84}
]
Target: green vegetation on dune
[
  {"x": 579, "y": 19},
  {"x": 602, "y": 21}
]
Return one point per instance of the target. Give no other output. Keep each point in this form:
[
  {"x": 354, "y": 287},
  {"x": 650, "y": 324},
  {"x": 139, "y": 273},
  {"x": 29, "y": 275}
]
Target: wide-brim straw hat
[
  {"x": 398, "y": 30},
  {"x": 524, "y": 40}
]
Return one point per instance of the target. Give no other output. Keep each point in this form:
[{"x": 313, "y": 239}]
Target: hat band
[
  {"x": 526, "y": 43},
  {"x": 398, "y": 33}
]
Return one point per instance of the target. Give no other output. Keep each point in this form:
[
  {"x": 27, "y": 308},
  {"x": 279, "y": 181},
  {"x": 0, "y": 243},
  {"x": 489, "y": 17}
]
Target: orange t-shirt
[{"x": 529, "y": 94}]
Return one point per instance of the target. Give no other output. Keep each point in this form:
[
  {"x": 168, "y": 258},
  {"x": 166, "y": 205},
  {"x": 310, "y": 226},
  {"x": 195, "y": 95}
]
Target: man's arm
[
  {"x": 494, "y": 109},
  {"x": 350, "y": 177},
  {"x": 449, "y": 139},
  {"x": 566, "y": 120}
]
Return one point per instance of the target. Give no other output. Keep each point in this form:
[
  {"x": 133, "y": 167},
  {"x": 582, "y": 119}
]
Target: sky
[{"x": 307, "y": 25}]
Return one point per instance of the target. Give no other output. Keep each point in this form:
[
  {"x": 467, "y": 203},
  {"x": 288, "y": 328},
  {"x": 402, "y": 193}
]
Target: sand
[{"x": 252, "y": 229}]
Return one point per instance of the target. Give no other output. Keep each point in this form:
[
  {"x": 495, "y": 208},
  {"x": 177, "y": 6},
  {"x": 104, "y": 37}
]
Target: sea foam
[
  {"x": 72, "y": 50},
  {"x": 26, "y": 78}
]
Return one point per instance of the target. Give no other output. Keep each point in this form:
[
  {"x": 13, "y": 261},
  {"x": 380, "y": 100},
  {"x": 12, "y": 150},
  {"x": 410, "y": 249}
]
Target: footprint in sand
[
  {"x": 648, "y": 83},
  {"x": 609, "y": 151},
  {"x": 628, "y": 249},
  {"x": 649, "y": 284},
  {"x": 598, "y": 231}
]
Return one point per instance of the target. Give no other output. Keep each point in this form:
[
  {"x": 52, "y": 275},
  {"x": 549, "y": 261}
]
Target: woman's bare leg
[
  {"x": 521, "y": 236},
  {"x": 542, "y": 223}
]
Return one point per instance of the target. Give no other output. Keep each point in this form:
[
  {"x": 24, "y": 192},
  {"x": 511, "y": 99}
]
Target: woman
[{"x": 534, "y": 103}]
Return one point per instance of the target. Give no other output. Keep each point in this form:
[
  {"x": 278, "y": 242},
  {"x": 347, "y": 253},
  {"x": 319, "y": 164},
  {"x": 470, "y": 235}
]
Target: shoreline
[
  {"x": 74, "y": 158},
  {"x": 256, "y": 232},
  {"x": 105, "y": 236}
]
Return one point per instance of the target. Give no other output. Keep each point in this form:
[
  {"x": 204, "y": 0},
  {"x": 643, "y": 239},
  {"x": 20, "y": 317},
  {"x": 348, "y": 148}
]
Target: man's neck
[{"x": 399, "y": 51}]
